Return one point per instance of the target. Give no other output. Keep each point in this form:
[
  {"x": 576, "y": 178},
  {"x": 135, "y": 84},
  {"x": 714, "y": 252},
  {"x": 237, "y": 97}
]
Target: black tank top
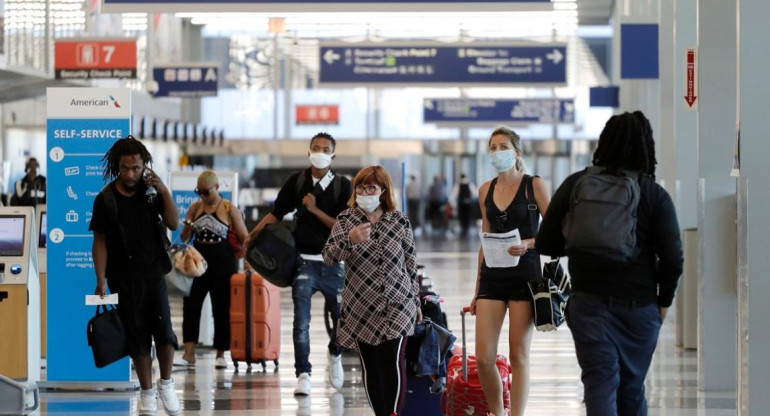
[{"x": 515, "y": 215}]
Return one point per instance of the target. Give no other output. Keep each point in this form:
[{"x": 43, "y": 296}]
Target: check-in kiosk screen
[
  {"x": 12, "y": 235},
  {"x": 43, "y": 230}
]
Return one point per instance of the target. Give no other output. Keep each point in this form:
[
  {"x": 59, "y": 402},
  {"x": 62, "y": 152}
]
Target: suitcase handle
[{"x": 465, "y": 310}]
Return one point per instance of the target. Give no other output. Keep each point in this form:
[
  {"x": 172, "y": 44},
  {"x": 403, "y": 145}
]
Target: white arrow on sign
[
  {"x": 330, "y": 56},
  {"x": 555, "y": 56}
]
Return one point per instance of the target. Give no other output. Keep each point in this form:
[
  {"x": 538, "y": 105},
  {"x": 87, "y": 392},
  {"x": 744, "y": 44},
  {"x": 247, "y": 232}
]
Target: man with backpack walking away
[
  {"x": 318, "y": 195},
  {"x": 620, "y": 231}
]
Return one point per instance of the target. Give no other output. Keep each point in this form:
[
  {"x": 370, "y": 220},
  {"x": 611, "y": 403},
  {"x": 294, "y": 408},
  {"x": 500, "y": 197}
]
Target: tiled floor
[{"x": 451, "y": 262}]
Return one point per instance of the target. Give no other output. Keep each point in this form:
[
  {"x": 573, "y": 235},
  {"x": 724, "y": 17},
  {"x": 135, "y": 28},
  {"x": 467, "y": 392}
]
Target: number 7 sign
[{"x": 95, "y": 58}]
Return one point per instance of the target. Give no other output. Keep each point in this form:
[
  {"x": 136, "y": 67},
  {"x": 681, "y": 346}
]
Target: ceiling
[{"x": 594, "y": 12}]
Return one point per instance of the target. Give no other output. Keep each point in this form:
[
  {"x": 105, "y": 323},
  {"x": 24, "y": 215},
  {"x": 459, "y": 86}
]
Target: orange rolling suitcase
[{"x": 255, "y": 320}]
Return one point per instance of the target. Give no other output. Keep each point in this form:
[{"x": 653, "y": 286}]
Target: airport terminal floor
[{"x": 450, "y": 261}]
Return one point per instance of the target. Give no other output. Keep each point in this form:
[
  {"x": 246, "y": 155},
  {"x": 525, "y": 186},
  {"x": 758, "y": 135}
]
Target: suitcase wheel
[{"x": 248, "y": 368}]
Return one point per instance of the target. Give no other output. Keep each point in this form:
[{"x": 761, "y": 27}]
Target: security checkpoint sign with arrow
[
  {"x": 691, "y": 81},
  {"x": 439, "y": 64}
]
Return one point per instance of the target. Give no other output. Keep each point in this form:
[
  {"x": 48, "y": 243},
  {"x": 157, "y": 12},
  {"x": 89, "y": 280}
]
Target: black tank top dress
[
  {"x": 510, "y": 283},
  {"x": 211, "y": 242}
]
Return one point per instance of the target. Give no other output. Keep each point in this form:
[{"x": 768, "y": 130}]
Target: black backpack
[
  {"x": 600, "y": 226},
  {"x": 273, "y": 253}
]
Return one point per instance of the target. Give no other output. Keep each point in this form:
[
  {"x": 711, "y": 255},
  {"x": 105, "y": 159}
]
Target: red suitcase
[
  {"x": 255, "y": 320},
  {"x": 463, "y": 395}
]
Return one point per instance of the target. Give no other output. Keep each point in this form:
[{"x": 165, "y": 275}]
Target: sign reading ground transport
[
  {"x": 114, "y": 6},
  {"x": 414, "y": 64},
  {"x": 474, "y": 110},
  {"x": 95, "y": 58}
]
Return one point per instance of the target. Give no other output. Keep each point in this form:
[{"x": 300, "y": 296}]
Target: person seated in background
[
  {"x": 30, "y": 190},
  {"x": 380, "y": 303},
  {"x": 209, "y": 220}
]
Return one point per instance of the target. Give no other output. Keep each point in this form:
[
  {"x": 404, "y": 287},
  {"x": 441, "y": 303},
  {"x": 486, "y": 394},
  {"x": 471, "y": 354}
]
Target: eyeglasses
[
  {"x": 203, "y": 192},
  {"x": 367, "y": 189}
]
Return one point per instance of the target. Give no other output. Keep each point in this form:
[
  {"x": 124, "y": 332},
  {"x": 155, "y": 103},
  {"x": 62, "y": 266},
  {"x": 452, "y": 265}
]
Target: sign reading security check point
[
  {"x": 344, "y": 65},
  {"x": 83, "y": 58}
]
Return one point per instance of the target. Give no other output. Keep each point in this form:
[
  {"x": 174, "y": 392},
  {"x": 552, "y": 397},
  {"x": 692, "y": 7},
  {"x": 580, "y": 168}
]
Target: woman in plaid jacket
[{"x": 380, "y": 303}]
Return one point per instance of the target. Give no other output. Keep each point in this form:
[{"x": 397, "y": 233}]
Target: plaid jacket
[{"x": 380, "y": 298}]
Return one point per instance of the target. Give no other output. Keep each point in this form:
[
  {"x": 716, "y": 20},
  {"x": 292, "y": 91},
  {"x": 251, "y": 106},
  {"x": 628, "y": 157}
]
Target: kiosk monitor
[
  {"x": 12, "y": 235},
  {"x": 43, "y": 227}
]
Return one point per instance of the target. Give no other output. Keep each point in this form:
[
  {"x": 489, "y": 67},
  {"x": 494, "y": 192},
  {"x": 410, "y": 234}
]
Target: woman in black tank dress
[
  {"x": 209, "y": 220},
  {"x": 506, "y": 202}
]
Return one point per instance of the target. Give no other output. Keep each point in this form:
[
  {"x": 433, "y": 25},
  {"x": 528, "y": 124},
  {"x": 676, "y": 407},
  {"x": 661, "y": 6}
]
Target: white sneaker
[
  {"x": 336, "y": 374},
  {"x": 148, "y": 404},
  {"x": 303, "y": 385},
  {"x": 337, "y": 404},
  {"x": 168, "y": 397},
  {"x": 220, "y": 363},
  {"x": 182, "y": 362}
]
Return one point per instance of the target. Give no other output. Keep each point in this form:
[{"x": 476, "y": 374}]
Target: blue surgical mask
[
  {"x": 368, "y": 203},
  {"x": 502, "y": 160}
]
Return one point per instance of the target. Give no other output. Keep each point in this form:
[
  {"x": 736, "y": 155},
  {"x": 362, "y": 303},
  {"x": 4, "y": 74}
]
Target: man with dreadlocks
[
  {"x": 616, "y": 310},
  {"x": 129, "y": 255}
]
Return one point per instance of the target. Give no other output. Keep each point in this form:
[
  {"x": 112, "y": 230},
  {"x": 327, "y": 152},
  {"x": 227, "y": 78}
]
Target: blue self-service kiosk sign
[
  {"x": 473, "y": 110},
  {"x": 344, "y": 65},
  {"x": 83, "y": 123},
  {"x": 187, "y": 80}
]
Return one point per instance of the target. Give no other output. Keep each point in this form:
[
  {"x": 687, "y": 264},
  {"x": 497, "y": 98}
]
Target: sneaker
[
  {"x": 304, "y": 406},
  {"x": 336, "y": 374},
  {"x": 168, "y": 397},
  {"x": 148, "y": 404},
  {"x": 303, "y": 385},
  {"x": 183, "y": 362},
  {"x": 220, "y": 363}
]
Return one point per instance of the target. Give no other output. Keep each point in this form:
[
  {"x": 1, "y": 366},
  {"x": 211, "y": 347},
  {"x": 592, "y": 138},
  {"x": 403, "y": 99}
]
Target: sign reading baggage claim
[
  {"x": 95, "y": 58},
  {"x": 168, "y": 6},
  {"x": 345, "y": 65}
]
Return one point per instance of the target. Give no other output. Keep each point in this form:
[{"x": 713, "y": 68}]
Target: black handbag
[
  {"x": 273, "y": 254},
  {"x": 106, "y": 336},
  {"x": 549, "y": 296}
]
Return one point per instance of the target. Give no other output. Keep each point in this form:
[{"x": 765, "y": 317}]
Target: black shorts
[
  {"x": 143, "y": 308},
  {"x": 504, "y": 289}
]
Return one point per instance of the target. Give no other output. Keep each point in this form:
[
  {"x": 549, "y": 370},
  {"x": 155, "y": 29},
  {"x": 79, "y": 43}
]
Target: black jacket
[{"x": 653, "y": 276}]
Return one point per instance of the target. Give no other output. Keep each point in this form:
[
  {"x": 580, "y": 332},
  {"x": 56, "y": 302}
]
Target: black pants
[
  {"x": 464, "y": 216},
  {"x": 216, "y": 281},
  {"x": 384, "y": 367}
]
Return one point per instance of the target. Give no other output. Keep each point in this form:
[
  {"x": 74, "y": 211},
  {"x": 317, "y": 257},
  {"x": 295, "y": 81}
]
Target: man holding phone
[{"x": 129, "y": 221}]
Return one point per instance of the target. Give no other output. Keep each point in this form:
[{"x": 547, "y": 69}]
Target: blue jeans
[
  {"x": 614, "y": 342},
  {"x": 314, "y": 276}
]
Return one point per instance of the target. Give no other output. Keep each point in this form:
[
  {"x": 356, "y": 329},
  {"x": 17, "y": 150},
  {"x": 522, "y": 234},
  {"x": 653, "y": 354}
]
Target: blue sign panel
[
  {"x": 186, "y": 80},
  {"x": 451, "y": 65},
  {"x": 83, "y": 123},
  {"x": 604, "y": 97},
  {"x": 639, "y": 51},
  {"x": 461, "y": 110}
]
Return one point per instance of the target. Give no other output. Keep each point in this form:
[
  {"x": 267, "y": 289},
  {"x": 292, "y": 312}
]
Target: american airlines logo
[{"x": 93, "y": 102}]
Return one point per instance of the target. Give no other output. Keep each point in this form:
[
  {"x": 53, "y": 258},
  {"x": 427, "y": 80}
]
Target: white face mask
[
  {"x": 320, "y": 160},
  {"x": 368, "y": 203},
  {"x": 502, "y": 160}
]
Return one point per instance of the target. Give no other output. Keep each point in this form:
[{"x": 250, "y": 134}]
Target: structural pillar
[
  {"x": 754, "y": 198},
  {"x": 716, "y": 196}
]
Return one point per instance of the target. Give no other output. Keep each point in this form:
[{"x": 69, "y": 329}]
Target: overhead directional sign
[
  {"x": 410, "y": 64},
  {"x": 85, "y": 58},
  {"x": 113, "y": 6},
  {"x": 187, "y": 80},
  {"x": 486, "y": 111}
]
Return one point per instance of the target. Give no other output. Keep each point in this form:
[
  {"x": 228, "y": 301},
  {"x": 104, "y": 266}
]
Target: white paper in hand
[
  {"x": 93, "y": 300},
  {"x": 496, "y": 246}
]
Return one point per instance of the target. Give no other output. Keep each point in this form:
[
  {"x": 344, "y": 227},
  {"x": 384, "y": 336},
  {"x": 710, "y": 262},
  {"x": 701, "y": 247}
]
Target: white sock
[
  {"x": 165, "y": 382},
  {"x": 148, "y": 392}
]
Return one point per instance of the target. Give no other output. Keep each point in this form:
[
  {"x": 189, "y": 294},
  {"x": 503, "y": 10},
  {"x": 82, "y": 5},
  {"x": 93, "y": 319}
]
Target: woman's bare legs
[
  {"x": 519, "y": 339},
  {"x": 490, "y": 315}
]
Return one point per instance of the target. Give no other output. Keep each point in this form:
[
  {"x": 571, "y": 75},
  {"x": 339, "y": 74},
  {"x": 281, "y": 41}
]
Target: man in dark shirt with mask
[{"x": 318, "y": 195}]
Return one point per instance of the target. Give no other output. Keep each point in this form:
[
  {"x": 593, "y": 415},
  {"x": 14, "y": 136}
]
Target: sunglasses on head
[{"x": 203, "y": 192}]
